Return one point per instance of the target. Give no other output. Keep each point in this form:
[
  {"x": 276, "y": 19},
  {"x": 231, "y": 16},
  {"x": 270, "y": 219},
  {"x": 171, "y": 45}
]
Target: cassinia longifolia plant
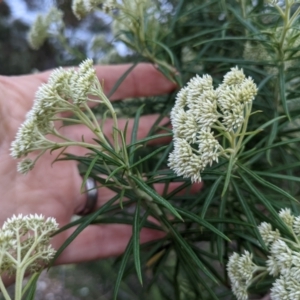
[
  {"x": 25, "y": 248},
  {"x": 236, "y": 130}
]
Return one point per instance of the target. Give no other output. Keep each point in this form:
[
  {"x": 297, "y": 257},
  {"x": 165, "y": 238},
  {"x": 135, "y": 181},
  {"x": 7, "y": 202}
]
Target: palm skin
[{"x": 54, "y": 189}]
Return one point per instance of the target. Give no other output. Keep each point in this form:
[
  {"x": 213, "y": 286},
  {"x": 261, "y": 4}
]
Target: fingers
[
  {"x": 103, "y": 241},
  {"x": 144, "y": 80}
]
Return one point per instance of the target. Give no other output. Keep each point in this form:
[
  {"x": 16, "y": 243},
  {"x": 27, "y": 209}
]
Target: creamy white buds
[
  {"x": 200, "y": 111},
  {"x": 65, "y": 87}
]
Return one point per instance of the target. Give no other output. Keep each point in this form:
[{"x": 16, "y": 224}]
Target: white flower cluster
[
  {"x": 42, "y": 27},
  {"x": 199, "y": 111},
  {"x": 64, "y": 88},
  {"x": 233, "y": 95},
  {"x": 284, "y": 259},
  {"x": 24, "y": 243},
  {"x": 240, "y": 270},
  {"x": 81, "y": 8},
  {"x": 283, "y": 262}
]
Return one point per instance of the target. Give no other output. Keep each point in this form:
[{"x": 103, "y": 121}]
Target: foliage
[{"x": 240, "y": 191}]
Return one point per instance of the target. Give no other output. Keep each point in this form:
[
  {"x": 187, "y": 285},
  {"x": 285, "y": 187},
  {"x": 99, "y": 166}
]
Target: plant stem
[
  {"x": 108, "y": 104},
  {"x": 3, "y": 290}
]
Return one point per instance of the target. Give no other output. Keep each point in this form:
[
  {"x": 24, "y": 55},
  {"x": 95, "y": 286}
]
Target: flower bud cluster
[
  {"x": 43, "y": 26},
  {"x": 233, "y": 95},
  {"x": 283, "y": 261},
  {"x": 200, "y": 111},
  {"x": 24, "y": 243},
  {"x": 240, "y": 270},
  {"x": 64, "y": 89}
]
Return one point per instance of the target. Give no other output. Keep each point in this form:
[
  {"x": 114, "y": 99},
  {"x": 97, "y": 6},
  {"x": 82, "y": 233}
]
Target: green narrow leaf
[
  {"x": 263, "y": 200},
  {"x": 206, "y": 259},
  {"x": 267, "y": 183},
  {"x": 132, "y": 246},
  {"x": 228, "y": 174},
  {"x": 246, "y": 154},
  {"x": 176, "y": 15},
  {"x": 279, "y": 176},
  {"x": 121, "y": 271},
  {"x": 160, "y": 265},
  {"x": 150, "y": 138},
  {"x": 189, "y": 253},
  {"x": 210, "y": 196},
  {"x": 148, "y": 156},
  {"x": 88, "y": 173},
  {"x": 122, "y": 197},
  {"x": 160, "y": 200},
  {"x": 109, "y": 148},
  {"x": 168, "y": 177},
  {"x": 156, "y": 125},
  {"x": 192, "y": 275},
  {"x": 220, "y": 241},
  {"x": 282, "y": 90},
  {"x": 178, "y": 189},
  {"x": 135, "y": 130},
  {"x": 114, "y": 161},
  {"x": 125, "y": 130},
  {"x": 176, "y": 279},
  {"x": 30, "y": 289},
  {"x": 162, "y": 158},
  {"x": 116, "y": 170},
  {"x": 123, "y": 220},
  {"x": 166, "y": 48},
  {"x": 201, "y": 7},
  {"x": 284, "y": 167},
  {"x": 248, "y": 238},
  {"x": 202, "y": 222},
  {"x": 227, "y": 38},
  {"x": 86, "y": 221},
  {"x": 248, "y": 212},
  {"x": 230, "y": 221},
  {"x": 195, "y": 36},
  {"x": 121, "y": 79},
  {"x": 136, "y": 242},
  {"x": 260, "y": 128},
  {"x": 245, "y": 22},
  {"x": 272, "y": 136}
]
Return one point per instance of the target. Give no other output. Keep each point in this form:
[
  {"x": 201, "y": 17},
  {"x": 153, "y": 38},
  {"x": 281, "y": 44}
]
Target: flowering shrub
[{"x": 223, "y": 55}]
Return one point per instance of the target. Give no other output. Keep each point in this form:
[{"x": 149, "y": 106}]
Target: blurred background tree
[{"x": 16, "y": 57}]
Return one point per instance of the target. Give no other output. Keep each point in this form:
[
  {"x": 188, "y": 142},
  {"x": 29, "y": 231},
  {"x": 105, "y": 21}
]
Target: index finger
[{"x": 144, "y": 80}]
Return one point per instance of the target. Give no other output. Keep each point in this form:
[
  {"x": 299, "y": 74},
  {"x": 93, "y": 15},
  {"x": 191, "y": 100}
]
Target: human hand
[{"x": 54, "y": 189}]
